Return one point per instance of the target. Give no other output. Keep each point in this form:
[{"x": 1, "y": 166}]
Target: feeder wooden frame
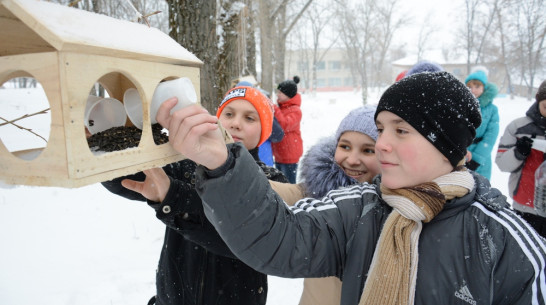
[{"x": 67, "y": 78}]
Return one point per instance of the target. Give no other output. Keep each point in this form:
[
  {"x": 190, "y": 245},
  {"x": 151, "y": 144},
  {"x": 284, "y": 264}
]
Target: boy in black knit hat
[
  {"x": 426, "y": 231},
  {"x": 517, "y": 156}
]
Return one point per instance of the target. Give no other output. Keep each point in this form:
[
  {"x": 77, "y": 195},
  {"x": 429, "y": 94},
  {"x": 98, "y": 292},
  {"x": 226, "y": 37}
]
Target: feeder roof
[{"x": 32, "y": 26}]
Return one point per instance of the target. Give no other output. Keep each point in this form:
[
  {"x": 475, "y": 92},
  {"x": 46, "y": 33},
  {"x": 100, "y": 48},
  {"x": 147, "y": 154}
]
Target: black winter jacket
[
  {"x": 196, "y": 267},
  {"x": 475, "y": 251}
]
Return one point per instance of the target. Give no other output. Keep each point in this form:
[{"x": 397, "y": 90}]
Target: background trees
[
  {"x": 236, "y": 38},
  {"x": 509, "y": 32}
]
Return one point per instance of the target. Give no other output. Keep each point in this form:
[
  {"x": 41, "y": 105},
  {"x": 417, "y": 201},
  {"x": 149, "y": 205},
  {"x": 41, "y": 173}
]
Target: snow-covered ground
[{"x": 85, "y": 246}]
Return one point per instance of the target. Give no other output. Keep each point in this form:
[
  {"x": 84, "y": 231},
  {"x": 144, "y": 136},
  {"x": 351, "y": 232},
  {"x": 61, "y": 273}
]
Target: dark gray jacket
[{"x": 476, "y": 251}]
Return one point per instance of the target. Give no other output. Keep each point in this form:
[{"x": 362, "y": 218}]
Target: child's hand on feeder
[
  {"x": 154, "y": 187},
  {"x": 194, "y": 133}
]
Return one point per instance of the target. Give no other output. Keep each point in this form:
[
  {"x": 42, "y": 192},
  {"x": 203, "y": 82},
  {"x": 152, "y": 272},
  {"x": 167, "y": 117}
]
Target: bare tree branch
[
  {"x": 73, "y": 3},
  {"x": 23, "y": 117},
  {"x": 21, "y": 127},
  {"x": 145, "y": 17},
  {"x": 295, "y": 20},
  {"x": 276, "y": 11}
]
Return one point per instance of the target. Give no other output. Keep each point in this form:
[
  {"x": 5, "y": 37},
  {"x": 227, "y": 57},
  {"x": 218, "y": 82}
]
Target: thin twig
[
  {"x": 138, "y": 14},
  {"x": 73, "y": 3},
  {"x": 27, "y": 129},
  {"x": 23, "y": 117},
  {"x": 145, "y": 17}
]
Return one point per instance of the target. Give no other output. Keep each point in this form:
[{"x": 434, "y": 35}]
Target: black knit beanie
[
  {"x": 541, "y": 93},
  {"x": 439, "y": 107},
  {"x": 289, "y": 87}
]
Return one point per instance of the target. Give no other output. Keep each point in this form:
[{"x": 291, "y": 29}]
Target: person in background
[
  {"x": 427, "y": 231},
  {"x": 486, "y": 135},
  {"x": 195, "y": 265},
  {"x": 400, "y": 75},
  {"x": 516, "y": 156},
  {"x": 288, "y": 151},
  {"x": 344, "y": 159},
  {"x": 265, "y": 152},
  {"x": 424, "y": 66}
]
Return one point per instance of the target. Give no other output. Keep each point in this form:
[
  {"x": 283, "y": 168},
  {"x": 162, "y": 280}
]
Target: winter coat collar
[
  {"x": 295, "y": 101},
  {"x": 320, "y": 172},
  {"x": 254, "y": 153},
  {"x": 489, "y": 93},
  {"x": 534, "y": 114}
]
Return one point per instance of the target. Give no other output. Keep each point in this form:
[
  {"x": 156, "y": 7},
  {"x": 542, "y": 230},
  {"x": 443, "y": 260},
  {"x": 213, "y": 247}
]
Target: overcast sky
[{"x": 443, "y": 15}]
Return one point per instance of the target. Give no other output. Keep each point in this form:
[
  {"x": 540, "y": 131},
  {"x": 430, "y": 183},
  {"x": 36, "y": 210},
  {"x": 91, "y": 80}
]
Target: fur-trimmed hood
[
  {"x": 319, "y": 171},
  {"x": 490, "y": 91}
]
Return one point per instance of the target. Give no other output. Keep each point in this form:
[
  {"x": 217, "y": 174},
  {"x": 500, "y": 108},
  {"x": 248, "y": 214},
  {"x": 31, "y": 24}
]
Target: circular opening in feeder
[
  {"x": 113, "y": 115},
  {"x": 25, "y": 115}
]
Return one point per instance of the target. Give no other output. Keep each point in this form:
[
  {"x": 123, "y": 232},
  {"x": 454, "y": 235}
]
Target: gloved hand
[
  {"x": 472, "y": 165},
  {"x": 523, "y": 146}
]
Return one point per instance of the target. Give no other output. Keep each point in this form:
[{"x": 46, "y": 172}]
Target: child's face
[
  {"x": 476, "y": 87},
  {"x": 242, "y": 121},
  {"x": 355, "y": 154},
  {"x": 281, "y": 97},
  {"x": 542, "y": 107},
  {"x": 406, "y": 158}
]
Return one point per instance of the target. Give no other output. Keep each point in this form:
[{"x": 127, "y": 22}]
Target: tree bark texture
[
  {"x": 193, "y": 25},
  {"x": 266, "y": 42}
]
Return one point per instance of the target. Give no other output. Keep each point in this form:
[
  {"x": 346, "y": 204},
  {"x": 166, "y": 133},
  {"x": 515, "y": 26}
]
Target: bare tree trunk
[
  {"x": 283, "y": 32},
  {"x": 193, "y": 25},
  {"x": 266, "y": 43},
  {"x": 490, "y": 18},
  {"x": 532, "y": 33},
  {"x": 423, "y": 40},
  {"x": 279, "y": 47},
  {"x": 231, "y": 56},
  {"x": 251, "y": 39},
  {"x": 469, "y": 33},
  {"x": 504, "y": 53},
  {"x": 302, "y": 58},
  {"x": 273, "y": 31},
  {"x": 387, "y": 25},
  {"x": 317, "y": 17},
  {"x": 356, "y": 31}
]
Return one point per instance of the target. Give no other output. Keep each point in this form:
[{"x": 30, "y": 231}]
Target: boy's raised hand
[
  {"x": 154, "y": 187},
  {"x": 194, "y": 133}
]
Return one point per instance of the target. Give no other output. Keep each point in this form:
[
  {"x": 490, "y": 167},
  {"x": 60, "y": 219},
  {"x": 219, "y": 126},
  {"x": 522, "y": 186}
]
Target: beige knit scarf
[{"x": 393, "y": 272}]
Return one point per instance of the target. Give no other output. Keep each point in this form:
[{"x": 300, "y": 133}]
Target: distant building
[
  {"x": 333, "y": 70},
  {"x": 454, "y": 64}
]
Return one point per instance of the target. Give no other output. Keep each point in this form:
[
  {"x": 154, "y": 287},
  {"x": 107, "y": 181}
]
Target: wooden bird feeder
[{"x": 68, "y": 51}]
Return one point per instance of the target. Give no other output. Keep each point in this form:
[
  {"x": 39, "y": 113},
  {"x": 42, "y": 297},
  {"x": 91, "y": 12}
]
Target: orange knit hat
[{"x": 258, "y": 100}]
